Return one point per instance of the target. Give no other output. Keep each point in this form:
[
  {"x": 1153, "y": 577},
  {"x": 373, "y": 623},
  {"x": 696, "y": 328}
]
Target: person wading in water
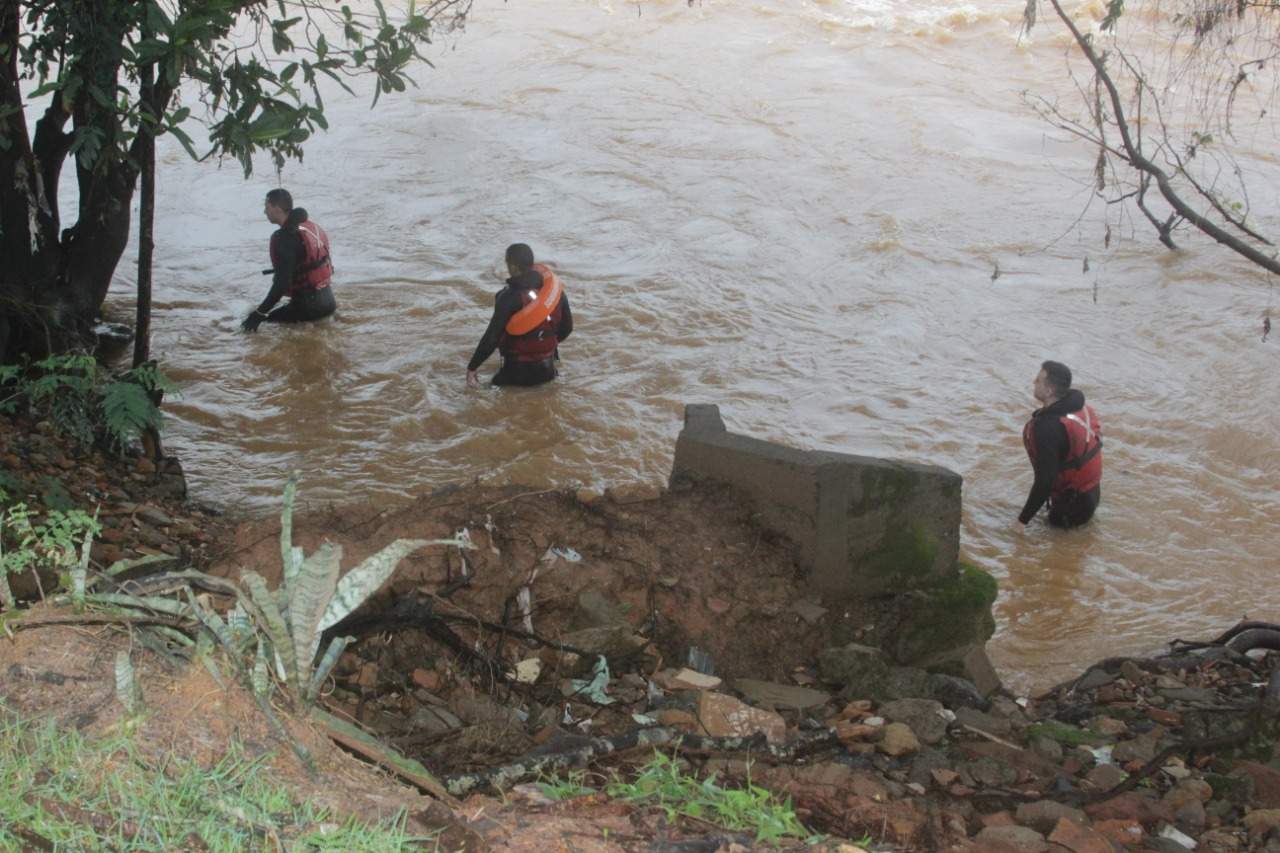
[
  {"x": 530, "y": 318},
  {"x": 1064, "y": 441},
  {"x": 301, "y": 268}
]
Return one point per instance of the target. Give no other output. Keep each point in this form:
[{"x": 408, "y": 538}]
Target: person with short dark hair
[
  {"x": 301, "y": 267},
  {"x": 1064, "y": 441},
  {"x": 531, "y": 318}
]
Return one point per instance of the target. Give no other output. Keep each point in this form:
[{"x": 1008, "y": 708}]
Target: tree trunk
[{"x": 146, "y": 246}]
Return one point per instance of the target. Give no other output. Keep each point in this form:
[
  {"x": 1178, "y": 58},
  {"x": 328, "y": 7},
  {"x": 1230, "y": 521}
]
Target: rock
[
  {"x": 1132, "y": 672},
  {"x": 944, "y": 777},
  {"x": 860, "y": 670},
  {"x": 898, "y": 739},
  {"x": 1143, "y": 748},
  {"x": 1043, "y": 815},
  {"x": 1165, "y": 718},
  {"x": 724, "y": 716},
  {"x": 151, "y": 515},
  {"x": 1079, "y": 839},
  {"x": 1217, "y": 841},
  {"x": 596, "y": 610},
  {"x": 1104, "y": 777},
  {"x": 427, "y": 679},
  {"x": 977, "y": 666},
  {"x": 1000, "y": 818},
  {"x": 718, "y": 606},
  {"x": 685, "y": 679},
  {"x": 772, "y": 696},
  {"x": 677, "y": 718},
  {"x": 144, "y": 465},
  {"x": 809, "y": 611},
  {"x": 633, "y": 493},
  {"x": 988, "y": 723},
  {"x": 1093, "y": 679},
  {"x": 587, "y": 496},
  {"x": 1261, "y": 822},
  {"x": 1191, "y": 695},
  {"x": 848, "y": 732},
  {"x": 1108, "y": 726},
  {"x": 1047, "y": 748},
  {"x": 1266, "y": 783},
  {"x": 1188, "y": 790},
  {"x": 367, "y": 675},
  {"x": 1130, "y": 806},
  {"x": 923, "y": 716},
  {"x": 1191, "y": 816},
  {"x": 612, "y": 641},
  {"x": 1010, "y": 839},
  {"x": 1122, "y": 832},
  {"x": 925, "y": 762},
  {"x": 955, "y": 692},
  {"x": 481, "y": 710},
  {"x": 433, "y": 720},
  {"x": 906, "y": 682}
]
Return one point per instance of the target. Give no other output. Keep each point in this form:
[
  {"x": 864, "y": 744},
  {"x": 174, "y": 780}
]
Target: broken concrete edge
[{"x": 863, "y": 527}]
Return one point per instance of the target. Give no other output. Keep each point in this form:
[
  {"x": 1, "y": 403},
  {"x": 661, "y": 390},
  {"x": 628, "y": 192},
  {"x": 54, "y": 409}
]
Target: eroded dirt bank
[{"x": 458, "y": 668}]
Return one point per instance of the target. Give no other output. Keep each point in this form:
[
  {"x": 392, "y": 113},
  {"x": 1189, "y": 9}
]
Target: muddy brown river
[{"x": 795, "y": 209}]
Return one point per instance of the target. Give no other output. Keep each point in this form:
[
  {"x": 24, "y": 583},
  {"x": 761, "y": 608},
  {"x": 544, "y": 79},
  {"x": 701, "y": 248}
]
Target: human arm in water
[
  {"x": 289, "y": 248},
  {"x": 1050, "y": 437}
]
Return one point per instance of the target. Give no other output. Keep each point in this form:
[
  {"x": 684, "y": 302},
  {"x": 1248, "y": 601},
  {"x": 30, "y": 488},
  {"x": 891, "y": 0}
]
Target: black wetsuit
[
  {"x": 1052, "y": 446},
  {"x": 307, "y": 303},
  {"x": 506, "y": 303}
]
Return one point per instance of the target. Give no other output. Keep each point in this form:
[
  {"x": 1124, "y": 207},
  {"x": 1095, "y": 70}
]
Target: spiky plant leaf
[
  {"x": 331, "y": 654},
  {"x": 80, "y": 571},
  {"x": 214, "y": 623},
  {"x": 309, "y": 596},
  {"x": 238, "y": 623},
  {"x": 291, "y": 558},
  {"x": 141, "y": 602},
  {"x": 126, "y": 685},
  {"x": 367, "y": 578},
  {"x": 261, "y": 678},
  {"x": 275, "y": 627},
  {"x": 120, "y": 566}
]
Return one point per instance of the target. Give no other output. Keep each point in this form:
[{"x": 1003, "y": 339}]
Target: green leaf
[
  {"x": 309, "y": 595},
  {"x": 288, "y": 558},
  {"x": 368, "y": 577},
  {"x": 275, "y": 626},
  {"x": 331, "y": 654},
  {"x": 126, "y": 685}
]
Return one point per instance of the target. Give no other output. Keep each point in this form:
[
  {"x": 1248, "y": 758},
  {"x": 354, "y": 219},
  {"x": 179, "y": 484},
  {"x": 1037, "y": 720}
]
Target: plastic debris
[
  {"x": 524, "y": 598},
  {"x": 1174, "y": 834},
  {"x": 700, "y": 661},
  {"x": 644, "y": 720},
  {"x": 555, "y": 552},
  {"x": 594, "y": 688},
  {"x": 491, "y": 528},
  {"x": 1102, "y": 754}
]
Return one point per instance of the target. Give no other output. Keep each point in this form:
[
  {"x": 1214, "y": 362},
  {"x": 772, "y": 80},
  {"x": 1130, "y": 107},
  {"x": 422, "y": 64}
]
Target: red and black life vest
[
  {"x": 1082, "y": 469},
  {"x": 315, "y": 270},
  {"x": 540, "y": 316}
]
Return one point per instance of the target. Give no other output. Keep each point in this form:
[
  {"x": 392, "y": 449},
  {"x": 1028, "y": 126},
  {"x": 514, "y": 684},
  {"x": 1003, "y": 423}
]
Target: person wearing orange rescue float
[
  {"x": 300, "y": 267},
  {"x": 1064, "y": 441},
  {"x": 531, "y": 318}
]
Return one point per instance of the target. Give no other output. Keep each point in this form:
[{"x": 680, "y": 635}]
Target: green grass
[
  {"x": 662, "y": 784},
  {"x": 77, "y": 794}
]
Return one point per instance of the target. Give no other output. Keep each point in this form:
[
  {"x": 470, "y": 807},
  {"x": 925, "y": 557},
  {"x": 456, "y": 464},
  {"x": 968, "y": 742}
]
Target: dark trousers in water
[
  {"x": 305, "y": 305},
  {"x": 1073, "y": 509},
  {"x": 525, "y": 372}
]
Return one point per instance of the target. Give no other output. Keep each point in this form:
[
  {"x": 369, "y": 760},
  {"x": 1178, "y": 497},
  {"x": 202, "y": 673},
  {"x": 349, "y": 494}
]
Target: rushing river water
[{"x": 792, "y": 208}]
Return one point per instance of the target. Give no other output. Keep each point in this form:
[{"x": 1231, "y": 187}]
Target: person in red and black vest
[
  {"x": 531, "y": 318},
  {"x": 300, "y": 267},
  {"x": 1064, "y": 441}
]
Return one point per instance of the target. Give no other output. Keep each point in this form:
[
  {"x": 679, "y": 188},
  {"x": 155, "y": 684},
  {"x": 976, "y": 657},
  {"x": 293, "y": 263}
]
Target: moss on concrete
[
  {"x": 947, "y": 619},
  {"x": 906, "y": 549},
  {"x": 1064, "y": 734}
]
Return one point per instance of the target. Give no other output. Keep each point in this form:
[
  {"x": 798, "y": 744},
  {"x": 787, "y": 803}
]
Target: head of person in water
[
  {"x": 278, "y": 205},
  {"x": 519, "y": 258},
  {"x": 1052, "y": 382}
]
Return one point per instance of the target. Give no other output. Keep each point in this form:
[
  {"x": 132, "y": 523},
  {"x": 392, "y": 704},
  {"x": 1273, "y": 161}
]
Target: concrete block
[{"x": 862, "y": 525}]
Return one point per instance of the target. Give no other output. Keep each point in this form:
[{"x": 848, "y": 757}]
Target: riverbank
[{"x": 472, "y": 659}]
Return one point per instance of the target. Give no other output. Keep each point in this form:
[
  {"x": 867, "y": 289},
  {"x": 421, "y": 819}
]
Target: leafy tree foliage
[
  {"x": 103, "y": 75},
  {"x": 1175, "y": 95}
]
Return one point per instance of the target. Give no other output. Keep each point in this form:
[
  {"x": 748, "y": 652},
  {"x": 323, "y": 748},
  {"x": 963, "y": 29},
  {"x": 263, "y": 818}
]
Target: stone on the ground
[
  {"x": 1043, "y": 815},
  {"x": 1261, "y": 822},
  {"x": 924, "y": 716},
  {"x": 955, "y": 692},
  {"x": 860, "y": 670},
  {"x": 427, "y": 679},
  {"x": 772, "y": 696},
  {"x": 1142, "y": 748},
  {"x": 725, "y": 716},
  {"x": 432, "y": 720},
  {"x": 898, "y": 739},
  {"x": 1010, "y": 839},
  {"x": 612, "y": 641},
  {"x": 633, "y": 493},
  {"x": 1104, "y": 777},
  {"x": 1077, "y": 838},
  {"x": 1266, "y": 783},
  {"x": 989, "y": 723},
  {"x": 596, "y": 610},
  {"x": 685, "y": 679}
]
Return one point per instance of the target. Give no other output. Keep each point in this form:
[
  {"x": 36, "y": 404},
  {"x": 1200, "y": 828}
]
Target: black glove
[{"x": 252, "y": 322}]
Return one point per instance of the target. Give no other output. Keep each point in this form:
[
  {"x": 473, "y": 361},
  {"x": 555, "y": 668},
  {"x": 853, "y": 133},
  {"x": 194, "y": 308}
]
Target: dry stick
[{"x": 531, "y": 766}]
